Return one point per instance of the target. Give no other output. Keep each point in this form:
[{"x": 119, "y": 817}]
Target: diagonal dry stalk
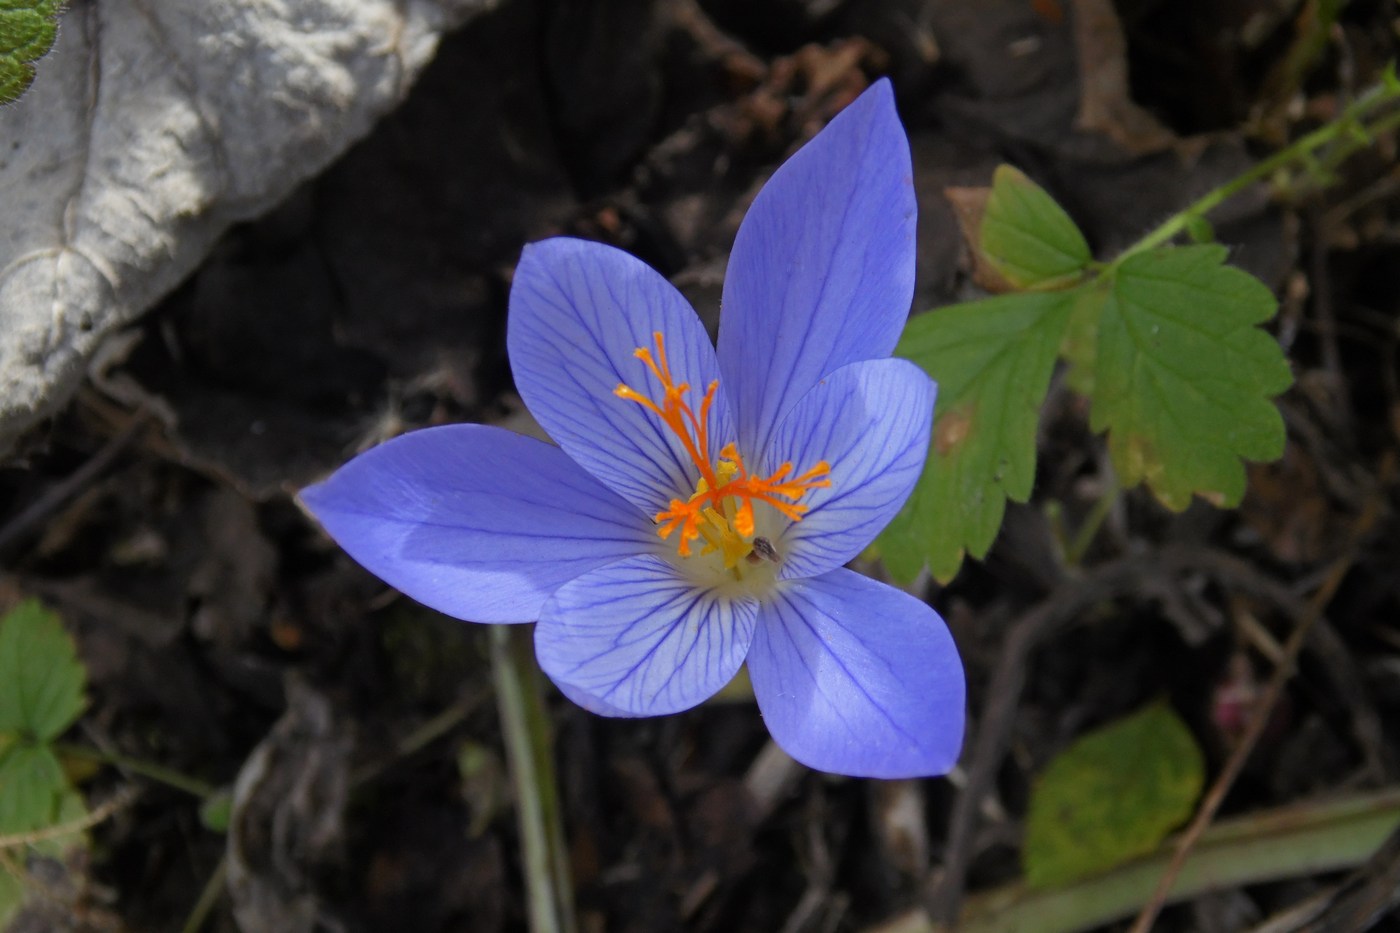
[{"x": 1282, "y": 674}]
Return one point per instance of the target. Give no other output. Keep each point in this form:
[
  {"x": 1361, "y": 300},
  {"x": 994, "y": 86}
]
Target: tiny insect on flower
[{"x": 702, "y": 501}]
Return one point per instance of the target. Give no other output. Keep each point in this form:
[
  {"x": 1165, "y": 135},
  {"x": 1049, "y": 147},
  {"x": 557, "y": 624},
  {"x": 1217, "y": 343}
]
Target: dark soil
[{"x": 216, "y": 619}]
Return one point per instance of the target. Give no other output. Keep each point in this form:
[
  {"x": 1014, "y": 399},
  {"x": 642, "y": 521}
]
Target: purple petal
[
  {"x": 858, "y": 678},
  {"x": 642, "y": 639},
  {"x": 871, "y": 422},
  {"x": 578, "y": 310},
  {"x": 592, "y": 703},
  {"x": 822, "y": 271},
  {"x": 475, "y": 521}
]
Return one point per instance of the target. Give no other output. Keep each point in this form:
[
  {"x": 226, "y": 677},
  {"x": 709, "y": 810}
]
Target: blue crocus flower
[{"x": 699, "y": 506}]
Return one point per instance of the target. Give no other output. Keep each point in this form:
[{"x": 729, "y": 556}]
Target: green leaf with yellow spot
[
  {"x": 41, "y": 679},
  {"x": 1111, "y": 796},
  {"x": 1183, "y": 376},
  {"x": 1026, "y": 237},
  {"x": 27, "y": 32},
  {"x": 992, "y": 360},
  {"x": 1165, "y": 343}
]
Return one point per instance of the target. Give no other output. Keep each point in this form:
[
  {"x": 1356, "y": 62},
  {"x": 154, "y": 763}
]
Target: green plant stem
[
  {"x": 147, "y": 769},
  {"x": 1299, "y": 151},
  {"x": 208, "y": 897},
  {"x": 435, "y": 728},
  {"x": 424, "y": 735},
  {"x": 1383, "y": 125},
  {"x": 1300, "y": 839},
  {"x": 525, "y": 724},
  {"x": 1089, "y": 530}
]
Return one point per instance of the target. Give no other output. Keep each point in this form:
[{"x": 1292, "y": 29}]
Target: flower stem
[
  {"x": 1349, "y": 131},
  {"x": 525, "y": 724}
]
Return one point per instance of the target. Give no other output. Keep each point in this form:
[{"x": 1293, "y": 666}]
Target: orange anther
[{"x": 729, "y": 479}]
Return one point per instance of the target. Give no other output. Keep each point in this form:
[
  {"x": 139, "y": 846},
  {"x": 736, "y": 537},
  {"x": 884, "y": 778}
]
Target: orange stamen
[{"x": 714, "y": 489}]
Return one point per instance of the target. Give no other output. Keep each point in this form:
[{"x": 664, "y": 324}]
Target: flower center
[{"x": 720, "y": 512}]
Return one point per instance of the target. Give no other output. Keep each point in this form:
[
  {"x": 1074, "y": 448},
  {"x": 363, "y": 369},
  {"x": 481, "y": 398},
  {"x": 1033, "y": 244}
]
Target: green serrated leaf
[
  {"x": 41, "y": 679},
  {"x": 32, "y": 786},
  {"x": 1028, "y": 238},
  {"x": 992, "y": 360},
  {"x": 27, "y": 32},
  {"x": 1183, "y": 377},
  {"x": 903, "y": 545},
  {"x": 1080, "y": 346},
  {"x": 1111, "y": 796}
]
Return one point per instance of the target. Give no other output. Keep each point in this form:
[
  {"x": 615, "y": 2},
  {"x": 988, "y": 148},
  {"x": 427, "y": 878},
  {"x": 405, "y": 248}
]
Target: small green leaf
[
  {"x": 41, "y": 679},
  {"x": 992, "y": 360},
  {"x": 1183, "y": 377},
  {"x": 32, "y": 787},
  {"x": 1028, "y": 238},
  {"x": 27, "y": 32},
  {"x": 216, "y": 810},
  {"x": 65, "y": 806},
  {"x": 1111, "y": 796}
]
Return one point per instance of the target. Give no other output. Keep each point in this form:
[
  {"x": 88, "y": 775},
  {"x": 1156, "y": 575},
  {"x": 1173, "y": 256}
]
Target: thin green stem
[
  {"x": 1089, "y": 530},
  {"x": 1381, "y": 126},
  {"x": 147, "y": 769},
  {"x": 435, "y": 728},
  {"x": 525, "y": 723},
  {"x": 208, "y": 897},
  {"x": 1059, "y": 535},
  {"x": 1301, "y": 150},
  {"x": 424, "y": 735}
]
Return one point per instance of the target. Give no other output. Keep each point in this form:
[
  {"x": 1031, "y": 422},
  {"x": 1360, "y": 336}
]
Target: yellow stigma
[{"x": 721, "y": 509}]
